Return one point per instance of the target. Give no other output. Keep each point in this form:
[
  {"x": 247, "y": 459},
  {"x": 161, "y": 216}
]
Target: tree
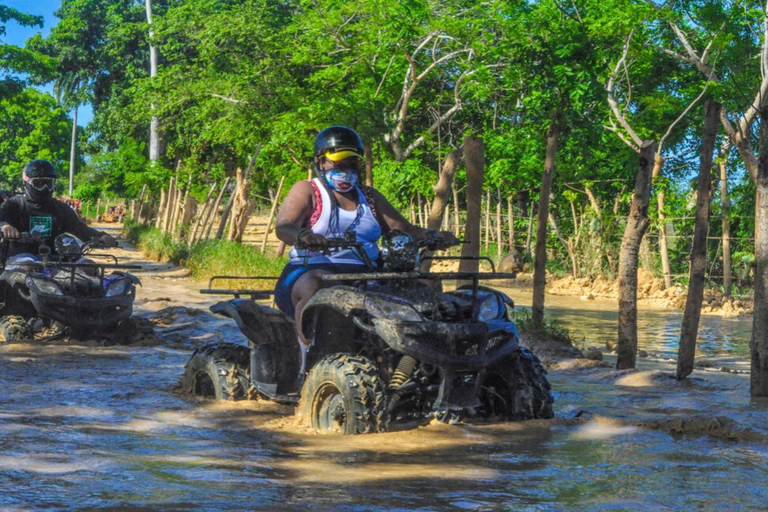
[
  {"x": 32, "y": 126},
  {"x": 690, "y": 329}
]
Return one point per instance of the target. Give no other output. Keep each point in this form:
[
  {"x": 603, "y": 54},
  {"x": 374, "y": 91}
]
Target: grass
[
  {"x": 208, "y": 257},
  {"x": 552, "y": 330}
]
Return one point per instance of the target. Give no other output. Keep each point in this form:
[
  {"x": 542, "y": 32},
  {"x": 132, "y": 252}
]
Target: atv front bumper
[
  {"x": 81, "y": 312},
  {"x": 465, "y": 346}
]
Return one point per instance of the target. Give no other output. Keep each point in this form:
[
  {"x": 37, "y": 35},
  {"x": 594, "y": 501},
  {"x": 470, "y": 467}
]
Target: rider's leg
[{"x": 306, "y": 286}]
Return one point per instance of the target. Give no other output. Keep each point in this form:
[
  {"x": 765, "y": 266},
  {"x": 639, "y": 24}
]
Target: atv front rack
[{"x": 254, "y": 294}]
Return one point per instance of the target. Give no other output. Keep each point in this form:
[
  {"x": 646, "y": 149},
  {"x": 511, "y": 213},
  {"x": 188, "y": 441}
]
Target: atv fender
[
  {"x": 274, "y": 358},
  {"x": 343, "y": 299},
  {"x": 262, "y": 325}
]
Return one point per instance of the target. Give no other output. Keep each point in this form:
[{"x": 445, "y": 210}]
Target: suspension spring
[{"x": 403, "y": 372}]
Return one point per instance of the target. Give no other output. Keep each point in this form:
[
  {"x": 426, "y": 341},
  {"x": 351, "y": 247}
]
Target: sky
[{"x": 18, "y": 35}]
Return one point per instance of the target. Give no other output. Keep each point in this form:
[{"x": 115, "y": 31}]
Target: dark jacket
[{"x": 50, "y": 219}]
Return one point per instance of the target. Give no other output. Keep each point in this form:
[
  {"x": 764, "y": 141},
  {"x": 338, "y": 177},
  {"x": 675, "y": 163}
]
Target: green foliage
[
  {"x": 220, "y": 257},
  {"x": 87, "y": 192},
  {"x": 32, "y": 126}
]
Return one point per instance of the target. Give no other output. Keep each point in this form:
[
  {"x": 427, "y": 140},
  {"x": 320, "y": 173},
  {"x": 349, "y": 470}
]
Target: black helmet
[
  {"x": 39, "y": 169},
  {"x": 39, "y": 180},
  {"x": 338, "y": 142}
]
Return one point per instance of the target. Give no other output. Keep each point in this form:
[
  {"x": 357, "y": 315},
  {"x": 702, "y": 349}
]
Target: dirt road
[{"x": 106, "y": 427}]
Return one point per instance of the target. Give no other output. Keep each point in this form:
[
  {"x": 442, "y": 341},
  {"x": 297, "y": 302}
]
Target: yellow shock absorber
[{"x": 403, "y": 372}]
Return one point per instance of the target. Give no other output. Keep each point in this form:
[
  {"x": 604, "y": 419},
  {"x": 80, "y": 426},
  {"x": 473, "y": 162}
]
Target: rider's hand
[
  {"x": 448, "y": 239},
  {"x": 310, "y": 239},
  {"x": 10, "y": 232},
  {"x": 108, "y": 240}
]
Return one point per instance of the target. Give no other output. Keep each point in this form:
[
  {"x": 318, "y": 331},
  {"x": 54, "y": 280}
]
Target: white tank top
[{"x": 367, "y": 231}]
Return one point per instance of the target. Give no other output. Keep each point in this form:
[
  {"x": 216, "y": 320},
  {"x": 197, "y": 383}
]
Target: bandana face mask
[{"x": 341, "y": 180}]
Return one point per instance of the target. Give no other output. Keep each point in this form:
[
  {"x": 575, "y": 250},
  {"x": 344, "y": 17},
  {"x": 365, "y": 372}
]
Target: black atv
[
  {"x": 63, "y": 293},
  {"x": 387, "y": 346}
]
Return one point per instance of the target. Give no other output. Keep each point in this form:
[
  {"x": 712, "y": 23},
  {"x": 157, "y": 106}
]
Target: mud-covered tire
[
  {"x": 14, "y": 328},
  {"x": 344, "y": 393},
  {"x": 517, "y": 389},
  {"x": 218, "y": 370}
]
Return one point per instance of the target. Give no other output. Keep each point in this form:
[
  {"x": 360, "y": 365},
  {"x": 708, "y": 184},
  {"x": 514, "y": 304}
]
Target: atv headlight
[
  {"x": 392, "y": 310},
  {"x": 118, "y": 287},
  {"x": 490, "y": 308},
  {"x": 44, "y": 285}
]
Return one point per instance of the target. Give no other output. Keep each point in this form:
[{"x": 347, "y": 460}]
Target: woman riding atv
[{"x": 327, "y": 207}]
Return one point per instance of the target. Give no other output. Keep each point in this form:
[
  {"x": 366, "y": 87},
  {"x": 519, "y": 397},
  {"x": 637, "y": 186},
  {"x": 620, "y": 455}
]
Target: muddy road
[{"x": 106, "y": 427}]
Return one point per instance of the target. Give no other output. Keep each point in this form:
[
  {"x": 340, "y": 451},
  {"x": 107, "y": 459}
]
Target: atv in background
[
  {"x": 387, "y": 346},
  {"x": 66, "y": 292}
]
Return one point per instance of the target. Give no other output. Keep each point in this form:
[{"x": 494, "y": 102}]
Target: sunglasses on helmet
[
  {"x": 41, "y": 183},
  {"x": 339, "y": 154}
]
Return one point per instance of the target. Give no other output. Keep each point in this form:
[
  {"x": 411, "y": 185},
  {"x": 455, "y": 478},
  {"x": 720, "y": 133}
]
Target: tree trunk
[
  {"x": 637, "y": 224},
  {"x": 487, "y": 219},
  {"x": 759, "y": 342},
  {"x": 170, "y": 202},
  {"x": 272, "y": 214},
  {"x": 212, "y": 215},
  {"x": 368, "y": 150},
  {"x": 529, "y": 234},
  {"x": 692, "y": 314},
  {"x": 456, "y": 210},
  {"x": 443, "y": 189},
  {"x": 202, "y": 215},
  {"x": 160, "y": 209},
  {"x": 239, "y": 206},
  {"x": 658, "y": 164},
  {"x": 511, "y": 217},
  {"x": 225, "y": 216},
  {"x": 726, "y": 208},
  {"x": 154, "y": 126},
  {"x": 420, "y": 209},
  {"x": 499, "y": 243},
  {"x": 72, "y": 153},
  {"x": 474, "y": 157},
  {"x": 540, "y": 264}
]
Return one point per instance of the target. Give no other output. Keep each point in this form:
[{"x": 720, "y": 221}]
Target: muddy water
[
  {"x": 104, "y": 427},
  {"x": 594, "y": 322}
]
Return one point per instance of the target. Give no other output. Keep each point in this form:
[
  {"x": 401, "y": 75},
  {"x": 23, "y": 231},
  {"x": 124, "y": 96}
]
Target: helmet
[
  {"x": 39, "y": 180},
  {"x": 338, "y": 143},
  {"x": 399, "y": 252},
  {"x": 39, "y": 169}
]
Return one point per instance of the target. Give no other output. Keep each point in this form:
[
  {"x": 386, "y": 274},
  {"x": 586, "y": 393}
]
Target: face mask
[
  {"x": 341, "y": 180},
  {"x": 37, "y": 195}
]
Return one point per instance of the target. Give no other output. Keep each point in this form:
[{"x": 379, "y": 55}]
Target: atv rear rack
[{"x": 238, "y": 292}]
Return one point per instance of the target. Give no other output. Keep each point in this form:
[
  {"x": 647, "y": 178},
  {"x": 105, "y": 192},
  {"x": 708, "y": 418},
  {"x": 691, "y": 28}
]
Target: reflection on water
[
  {"x": 92, "y": 427},
  {"x": 658, "y": 330}
]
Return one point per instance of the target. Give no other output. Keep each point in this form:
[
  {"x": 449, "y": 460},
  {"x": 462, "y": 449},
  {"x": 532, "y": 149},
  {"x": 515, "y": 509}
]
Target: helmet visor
[
  {"x": 41, "y": 183},
  {"x": 339, "y": 154}
]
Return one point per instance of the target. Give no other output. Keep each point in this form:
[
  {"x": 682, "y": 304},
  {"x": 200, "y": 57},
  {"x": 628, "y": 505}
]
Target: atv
[
  {"x": 387, "y": 347},
  {"x": 63, "y": 293}
]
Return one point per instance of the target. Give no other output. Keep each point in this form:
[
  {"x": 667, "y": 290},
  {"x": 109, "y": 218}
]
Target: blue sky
[{"x": 18, "y": 35}]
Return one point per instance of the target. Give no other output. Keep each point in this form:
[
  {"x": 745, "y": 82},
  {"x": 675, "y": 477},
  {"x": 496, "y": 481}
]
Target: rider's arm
[
  {"x": 70, "y": 223},
  {"x": 394, "y": 219},
  {"x": 9, "y": 218},
  {"x": 294, "y": 215}
]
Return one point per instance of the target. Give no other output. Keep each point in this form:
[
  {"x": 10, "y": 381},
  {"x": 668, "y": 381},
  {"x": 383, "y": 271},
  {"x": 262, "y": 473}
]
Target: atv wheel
[
  {"x": 343, "y": 393},
  {"x": 14, "y": 328},
  {"x": 517, "y": 388},
  {"x": 218, "y": 370}
]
